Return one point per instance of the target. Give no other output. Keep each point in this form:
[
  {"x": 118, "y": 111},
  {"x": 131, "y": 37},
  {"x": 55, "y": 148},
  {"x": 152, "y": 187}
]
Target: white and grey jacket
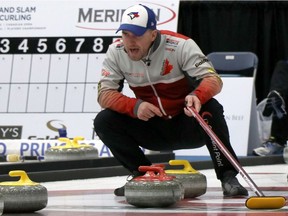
[{"x": 174, "y": 68}]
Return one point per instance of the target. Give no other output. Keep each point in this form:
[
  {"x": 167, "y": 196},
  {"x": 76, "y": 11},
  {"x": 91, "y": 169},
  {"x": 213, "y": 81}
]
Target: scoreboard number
[
  {"x": 24, "y": 46},
  {"x": 42, "y": 45},
  {"x": 4, "y": 46}
]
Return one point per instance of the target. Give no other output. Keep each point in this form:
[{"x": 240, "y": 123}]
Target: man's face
[{"x": 137, "y": 46}]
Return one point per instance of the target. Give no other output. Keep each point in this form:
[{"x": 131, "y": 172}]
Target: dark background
[{"x": 257, "y": 26}]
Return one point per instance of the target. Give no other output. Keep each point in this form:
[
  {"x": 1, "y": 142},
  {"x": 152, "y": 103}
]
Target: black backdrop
[{"x": 257, "y": 26}]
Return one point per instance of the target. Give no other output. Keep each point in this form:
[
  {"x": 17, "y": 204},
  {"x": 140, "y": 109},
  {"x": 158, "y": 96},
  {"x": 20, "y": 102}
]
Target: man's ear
[{"x": 154, "y": 34}]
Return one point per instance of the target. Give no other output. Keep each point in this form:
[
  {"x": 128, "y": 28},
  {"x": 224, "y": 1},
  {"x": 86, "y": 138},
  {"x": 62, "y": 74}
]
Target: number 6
[{"x": 60, "y": 45}]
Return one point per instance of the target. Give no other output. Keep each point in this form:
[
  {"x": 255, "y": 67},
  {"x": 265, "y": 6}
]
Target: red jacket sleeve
[
  {"x": 208, "y": 88},
  {"x": 116, "y": 101}
]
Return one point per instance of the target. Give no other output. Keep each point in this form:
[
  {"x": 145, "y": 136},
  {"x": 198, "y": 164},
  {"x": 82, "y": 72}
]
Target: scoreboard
[{"x": 51, "y": 74}]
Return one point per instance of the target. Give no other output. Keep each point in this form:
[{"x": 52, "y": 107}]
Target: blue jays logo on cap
[
  {"x": 133, "y": 15},
  {"x": 137, "y": 19}
]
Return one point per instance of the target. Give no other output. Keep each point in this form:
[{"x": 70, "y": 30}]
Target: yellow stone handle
[
  {"x": 66, "y": 140},
  {"x": 187, "y": 166},
  {"x": 75, "y": 142},
  {"x": 24, "y": 179},
  {"x": 71, "y": 143}
]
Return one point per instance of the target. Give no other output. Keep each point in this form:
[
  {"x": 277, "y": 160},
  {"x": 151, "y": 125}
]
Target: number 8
[{"x": 98, "y": 45}]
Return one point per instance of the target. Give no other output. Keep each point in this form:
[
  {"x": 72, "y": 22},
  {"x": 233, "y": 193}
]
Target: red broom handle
[{"x": 225, "y": 151}]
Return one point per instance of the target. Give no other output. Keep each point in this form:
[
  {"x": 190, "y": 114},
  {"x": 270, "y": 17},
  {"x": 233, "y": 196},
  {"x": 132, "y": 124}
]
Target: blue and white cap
[{"x": 137, "y": 19}]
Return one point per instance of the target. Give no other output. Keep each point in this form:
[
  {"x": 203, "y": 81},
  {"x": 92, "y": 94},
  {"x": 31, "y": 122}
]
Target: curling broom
[{"x": 255, "y": 202}]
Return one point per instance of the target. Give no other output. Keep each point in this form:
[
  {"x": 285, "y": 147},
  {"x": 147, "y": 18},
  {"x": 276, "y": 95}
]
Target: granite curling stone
[
  {"x": 72, "y": 150},
  {"x": 154, "y": 189},
  {"x": 24, "y": 195},
  {"x": 194, "y": 182}
]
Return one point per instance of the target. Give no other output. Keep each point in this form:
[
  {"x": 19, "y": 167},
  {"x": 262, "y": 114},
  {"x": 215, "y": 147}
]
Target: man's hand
[
  {"x": 192, "y": 101},
  {"x": 147, "y": 110}
]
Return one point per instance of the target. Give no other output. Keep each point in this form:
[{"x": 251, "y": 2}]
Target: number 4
[{"x": 24, "y": 46}]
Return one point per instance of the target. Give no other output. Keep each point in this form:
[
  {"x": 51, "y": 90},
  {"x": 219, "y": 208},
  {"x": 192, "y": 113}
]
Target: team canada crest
[
  {"x": 105, "y": 73},
  {"x": 166, "y": 68}
]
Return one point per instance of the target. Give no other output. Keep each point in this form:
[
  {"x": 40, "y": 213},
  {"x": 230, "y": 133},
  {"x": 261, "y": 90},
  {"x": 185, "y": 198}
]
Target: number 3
[{"x": 5, "y": 48}]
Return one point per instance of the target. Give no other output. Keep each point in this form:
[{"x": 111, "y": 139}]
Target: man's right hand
[{"x": 147, "y": 110}]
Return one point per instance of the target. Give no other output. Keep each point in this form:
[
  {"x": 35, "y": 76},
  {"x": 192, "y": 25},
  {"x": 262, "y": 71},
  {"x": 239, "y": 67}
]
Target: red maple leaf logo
[
  {"x": 105, "y": 73},
  {"x": 167, "y": 67}
]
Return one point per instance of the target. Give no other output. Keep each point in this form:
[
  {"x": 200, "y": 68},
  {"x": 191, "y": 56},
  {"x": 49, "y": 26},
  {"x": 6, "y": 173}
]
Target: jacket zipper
[{"x": 154, "y": 90}]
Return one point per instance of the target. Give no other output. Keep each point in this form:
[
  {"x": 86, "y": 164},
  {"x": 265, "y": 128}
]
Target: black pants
[
  {"x": 124, "y": 135},
  {"x": 279, "y": 82}
]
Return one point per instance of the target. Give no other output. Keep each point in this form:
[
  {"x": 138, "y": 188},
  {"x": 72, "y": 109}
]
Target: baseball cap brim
[{"x": 136, "y": 30}]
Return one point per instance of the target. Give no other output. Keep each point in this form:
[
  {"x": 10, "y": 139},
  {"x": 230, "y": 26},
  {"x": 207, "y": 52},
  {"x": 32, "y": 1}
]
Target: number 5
[{"x": 42, "y": 46}]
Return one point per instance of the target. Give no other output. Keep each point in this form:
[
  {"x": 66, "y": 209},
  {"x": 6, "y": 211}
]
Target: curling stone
[
  {"x": 174, "y": 178},
  {"x": 72, "y": 150},
  {"x": 154, "y": 189},
  {"x": 23, "y": 195},
  {"x": 194, "y": 182}
]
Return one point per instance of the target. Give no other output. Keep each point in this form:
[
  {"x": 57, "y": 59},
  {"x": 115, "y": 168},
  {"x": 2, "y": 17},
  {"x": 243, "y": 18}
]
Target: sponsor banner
[
  {"x": 36, "y": 126},
  {"x": 48, "y": 18},
  {"x": 25, "y": 147},
  {"x": 38, "y": 147},
  {"x": 10, "y": 131}
]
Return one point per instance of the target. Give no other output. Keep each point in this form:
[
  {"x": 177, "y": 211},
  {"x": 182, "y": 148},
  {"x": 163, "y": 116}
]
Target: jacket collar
[
  {"x": 156, "y": 43},
  {"x": 154, "y": 46}
]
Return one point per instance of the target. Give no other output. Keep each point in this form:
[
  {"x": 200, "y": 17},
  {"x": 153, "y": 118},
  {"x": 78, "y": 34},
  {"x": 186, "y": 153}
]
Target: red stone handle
[{"x": 153, "y": 173}]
